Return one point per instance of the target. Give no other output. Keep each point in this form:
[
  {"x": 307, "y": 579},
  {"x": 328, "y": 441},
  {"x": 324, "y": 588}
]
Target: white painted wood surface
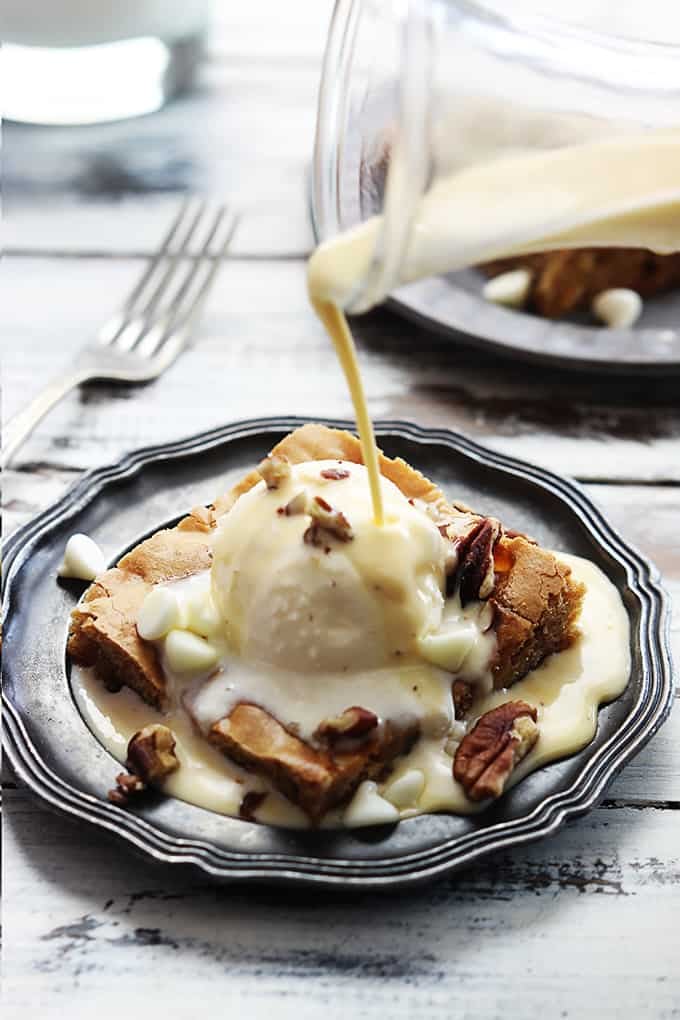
[{"x": 582, "y": 925}]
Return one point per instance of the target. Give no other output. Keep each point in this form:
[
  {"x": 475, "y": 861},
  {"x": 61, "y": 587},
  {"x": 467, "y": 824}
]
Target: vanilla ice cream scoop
[{"x": 306, "y": 581}]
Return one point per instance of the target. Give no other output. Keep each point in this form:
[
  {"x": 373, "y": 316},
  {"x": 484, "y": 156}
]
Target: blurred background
[
  {"x": 241, "y": 128},
  {"x": 86, "y": 205}
]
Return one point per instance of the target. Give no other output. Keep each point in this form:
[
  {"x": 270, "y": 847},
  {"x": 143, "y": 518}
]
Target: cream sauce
[
  {"x": 620, "y": 191},
  {"x": 566, "y": 690}
]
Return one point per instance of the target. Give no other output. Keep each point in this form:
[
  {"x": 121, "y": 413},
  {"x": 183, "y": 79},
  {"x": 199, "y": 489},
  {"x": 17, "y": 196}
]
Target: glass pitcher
[{"x": 494, "y": 94}]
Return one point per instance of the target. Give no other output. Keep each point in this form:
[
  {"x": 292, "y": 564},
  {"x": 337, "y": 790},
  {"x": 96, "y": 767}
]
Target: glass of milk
[
  {"x": 88, "y": 61},
  {"x": 450, "y": 132}
]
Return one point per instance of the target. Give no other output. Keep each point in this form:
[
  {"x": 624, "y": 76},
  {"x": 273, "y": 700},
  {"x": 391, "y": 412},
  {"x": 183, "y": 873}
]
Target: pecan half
[
  {"x": 354, "y": 722},
  {"x": 461, "y": 532},
  {"x": 335, "y": 474},
  {"x": 476, "y": 564},
  {"x": 151, "y": 753},
  {"x": 487, "y": 755},
  {"x": 326, "y": 520},
  {"x": 274, "y": 470}
]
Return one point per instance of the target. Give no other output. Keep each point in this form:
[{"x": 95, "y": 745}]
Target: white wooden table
[{"x": 582, "y": 925}]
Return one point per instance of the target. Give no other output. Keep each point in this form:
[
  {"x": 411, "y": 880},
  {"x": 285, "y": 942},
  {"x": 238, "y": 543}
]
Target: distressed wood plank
[
  {"x": 537, "y": 927},
  {"x": 260, "y": 350},
  {"x": 654, "y": 775}
]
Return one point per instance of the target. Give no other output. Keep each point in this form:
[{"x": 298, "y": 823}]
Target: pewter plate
[
  {"x": 453, "y": 305},
  {"x": 56, "y": 755}
]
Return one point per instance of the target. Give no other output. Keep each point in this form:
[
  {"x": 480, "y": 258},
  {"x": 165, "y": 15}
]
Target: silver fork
[{"x": 154, "y": 323}]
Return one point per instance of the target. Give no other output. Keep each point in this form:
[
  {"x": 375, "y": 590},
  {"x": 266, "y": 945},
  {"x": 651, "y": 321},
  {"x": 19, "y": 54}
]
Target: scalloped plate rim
[{"x": 545, "y": 819}]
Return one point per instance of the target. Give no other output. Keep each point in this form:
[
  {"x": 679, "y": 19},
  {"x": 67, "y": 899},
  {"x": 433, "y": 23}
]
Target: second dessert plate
[
  {"x": 454, "y": 305},
  {"x": 56, "y": 755}
]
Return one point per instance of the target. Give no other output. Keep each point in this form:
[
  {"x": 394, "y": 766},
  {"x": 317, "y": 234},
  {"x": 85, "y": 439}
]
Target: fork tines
[{"x": 177, "y": 279}]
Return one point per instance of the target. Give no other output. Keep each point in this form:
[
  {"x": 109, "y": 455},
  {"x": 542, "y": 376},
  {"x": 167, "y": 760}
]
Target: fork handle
[{"x": 18, "y": 428}]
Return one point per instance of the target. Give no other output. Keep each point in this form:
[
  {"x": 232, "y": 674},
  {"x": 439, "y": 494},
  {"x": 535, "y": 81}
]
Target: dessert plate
[
  {"x": 56, "y": 755},
  {"x": 453, "y": 305}
]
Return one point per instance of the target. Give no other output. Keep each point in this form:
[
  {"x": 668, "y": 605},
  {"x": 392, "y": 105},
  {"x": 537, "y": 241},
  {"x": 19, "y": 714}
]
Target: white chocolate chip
[
  {"x": 510, "y": 289},
  {"x": 449, "y": 648},
  {"x": 200, "y": 614},
  {"x": 617, "y": 307},
  {"x": 188, "y": 653},
  {"x": 456, "y": 734},
  {"x": 83, "y": 559},
  {"x": 158, "y": 614},
  {"x": 367, "y": 807},
  {"x": 296, "y": 505},
  {"x": 405, "y": 791}
]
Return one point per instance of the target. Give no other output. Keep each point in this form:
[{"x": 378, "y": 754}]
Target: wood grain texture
[
  {"x": 583, "y": 925},
  {"x": 586, "y": 920},
  {"x": 260, "y": 350}
]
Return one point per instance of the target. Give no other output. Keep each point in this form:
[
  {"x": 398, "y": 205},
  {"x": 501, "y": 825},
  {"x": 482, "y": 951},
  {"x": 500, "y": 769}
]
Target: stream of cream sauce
[{"x": 620, "y": 191}]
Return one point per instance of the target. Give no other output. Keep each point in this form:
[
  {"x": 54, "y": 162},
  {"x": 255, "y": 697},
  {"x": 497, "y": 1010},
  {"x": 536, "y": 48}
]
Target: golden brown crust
[
  {"x": 531, "y": 620},
  {"x": 103, "y": 630},
  {"x": 103, "y": 634},
  {"x": 318, "y": 442},
  {"x": 313, "y": 778},
  {"x": 536, "y": 604},
  {"x": 567, "y": 280}
]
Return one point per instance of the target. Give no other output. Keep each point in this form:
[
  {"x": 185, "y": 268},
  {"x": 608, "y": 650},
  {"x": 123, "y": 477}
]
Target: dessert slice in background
[{"x": 568, "y": 280}]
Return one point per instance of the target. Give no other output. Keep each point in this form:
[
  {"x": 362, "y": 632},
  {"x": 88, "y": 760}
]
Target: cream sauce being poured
[{"x": 623, "y": 191}]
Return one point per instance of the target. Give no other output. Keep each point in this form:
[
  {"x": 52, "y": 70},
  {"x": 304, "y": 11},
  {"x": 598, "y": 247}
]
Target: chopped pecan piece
[
  {"x": 487, "y": 755},
  {"x": 463, "y": 697},
  {"x": 335, "y": 474},
  {"x": 274, "y": 470},
  {"x": 118, "y": 797},
  {"x": 249, "y": 805},
  {"x": 352, "y": 723},
  {"x": 127, "y": 785},
  {"x": 151, "y": 753},
  {"x": 326, "y": 520},
  {"x": 151, "y": 757}
]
